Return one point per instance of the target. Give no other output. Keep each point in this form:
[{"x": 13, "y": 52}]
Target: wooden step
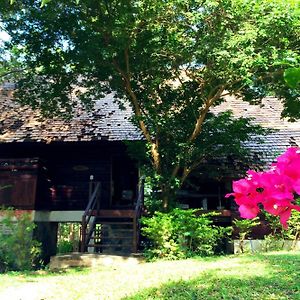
[
  {"x": 109, "y": 245},
  {"x": 114, "y": 213},
  {"x": 120, "y": 232},
  {"x": 116, "y": 238},
  {"x": 106, "y": 237},
  {"x": 113, "y": 222}
]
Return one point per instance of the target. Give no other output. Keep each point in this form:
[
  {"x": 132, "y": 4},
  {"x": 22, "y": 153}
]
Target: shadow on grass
[
  {"x": 280, "y": 280},
  {"x": 47, "y": 273}
]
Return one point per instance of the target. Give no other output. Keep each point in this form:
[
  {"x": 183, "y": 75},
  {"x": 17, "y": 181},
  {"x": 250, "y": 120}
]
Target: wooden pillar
[{"x": 46, "y": 234}]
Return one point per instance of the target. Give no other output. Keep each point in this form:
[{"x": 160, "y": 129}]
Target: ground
[{"x": 265, "y": 276}]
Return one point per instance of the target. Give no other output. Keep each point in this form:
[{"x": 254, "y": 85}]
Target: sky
[{"x": 4, "y": 36}]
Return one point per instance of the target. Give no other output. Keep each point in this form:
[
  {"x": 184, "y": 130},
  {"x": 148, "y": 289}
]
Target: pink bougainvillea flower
[
  {"x": 247, "y": 195},
  {"x": 296, "y": 186},
  {"x": 290, "y": 155},
  {"x": 288, "y": 164},
  {"x": 274, "y": 189},
  {"x": 284, "y": 211},
  {"x": 248, "y": 211},
  {"x": 275, "y": 186},
  {"x": 284, "y": 217}
]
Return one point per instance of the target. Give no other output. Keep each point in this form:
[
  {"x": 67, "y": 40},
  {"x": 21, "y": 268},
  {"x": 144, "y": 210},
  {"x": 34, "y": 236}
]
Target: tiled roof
[
  {"x": 268, "y": 115},
  {"x": 106, "y": 121}
]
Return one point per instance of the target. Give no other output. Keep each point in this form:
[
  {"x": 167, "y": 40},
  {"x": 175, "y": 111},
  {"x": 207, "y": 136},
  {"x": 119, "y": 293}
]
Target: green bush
[
  {"x": 181, "y": 234},
  {"x": 18, "y": 250},
  {"x": 275, "y": 240},
  {"x": 68, "y": 237},
  {"x": 244, "y": 227},
  {"x": 64, "y": 247}
]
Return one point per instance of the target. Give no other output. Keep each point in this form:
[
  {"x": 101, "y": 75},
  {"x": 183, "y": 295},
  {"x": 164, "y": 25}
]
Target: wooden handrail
[
  {"x": 94, "y": 202},
  {"x": 137, "y": 214}
]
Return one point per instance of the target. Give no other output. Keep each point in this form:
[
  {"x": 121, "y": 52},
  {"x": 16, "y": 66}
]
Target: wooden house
[
  {"x": 79, "y": 170},
  {"x": 56, "y": 168}
]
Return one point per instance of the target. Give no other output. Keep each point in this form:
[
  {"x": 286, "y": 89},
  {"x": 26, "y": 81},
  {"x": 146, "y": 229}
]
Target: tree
[
  {"x": 292, "y": 77},
  {"x": 172, "y": 60},
  {"x": 276, "y": 190}
]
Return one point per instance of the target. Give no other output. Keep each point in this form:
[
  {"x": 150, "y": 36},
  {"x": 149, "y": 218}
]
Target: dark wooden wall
[
  {"x": 62, "y": 178},
  {"x": 18, "y": 182}
]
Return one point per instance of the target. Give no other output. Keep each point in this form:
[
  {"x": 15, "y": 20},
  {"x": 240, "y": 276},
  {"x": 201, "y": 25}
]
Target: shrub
[
  {"x": 181, "y": 234},
  {"x": 244, "y": 227},
  {"x": 18, "y": 250},
  {"x": 275, "y": 240},
  {"x": 68, "y": 237}
]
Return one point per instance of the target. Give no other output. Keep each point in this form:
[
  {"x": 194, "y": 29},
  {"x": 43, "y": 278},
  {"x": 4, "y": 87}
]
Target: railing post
[
  {"x": 83, "y": 234},
  {"x": 135, "y": 234},
  {"x": 142, "y": 191},
  {"x": 94, "y": 203},
  {"x": 98, "y": 198},
  {"x": 137, "y": 215},
  {"x": 91, "y": 186}
]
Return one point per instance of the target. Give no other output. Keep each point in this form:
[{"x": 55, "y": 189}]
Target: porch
[{"x": 57, "y": 177}]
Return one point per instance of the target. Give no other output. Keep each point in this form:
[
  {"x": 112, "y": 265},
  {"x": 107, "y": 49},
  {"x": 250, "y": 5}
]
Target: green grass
[{"x": 266, "y": 276}]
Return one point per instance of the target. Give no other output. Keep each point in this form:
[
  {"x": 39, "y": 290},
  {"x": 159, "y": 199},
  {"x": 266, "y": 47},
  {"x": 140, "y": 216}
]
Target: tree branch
[
  {"x": 11, "y": 72},
  {"x": 134, "y": 101},
  {"x": 208, "y": 103},
  {"x": 138, "y": 113},
  {"x": 126, "y": 54}
]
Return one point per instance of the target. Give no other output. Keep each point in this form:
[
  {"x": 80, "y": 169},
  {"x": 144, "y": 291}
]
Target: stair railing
[
  {"x": 137, "y": 214},
  {"x": 93, "y": 205}
]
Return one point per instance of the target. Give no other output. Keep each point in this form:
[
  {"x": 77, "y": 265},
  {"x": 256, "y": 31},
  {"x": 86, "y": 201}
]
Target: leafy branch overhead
[
  {"x": 43, "y": 2},
  {"x": 171, "y": 60},
  {"x": 292, "y": 77}
]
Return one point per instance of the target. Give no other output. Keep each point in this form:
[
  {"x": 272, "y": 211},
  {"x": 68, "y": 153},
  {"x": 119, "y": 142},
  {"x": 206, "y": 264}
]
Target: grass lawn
[{"x": 266, "y": 276}]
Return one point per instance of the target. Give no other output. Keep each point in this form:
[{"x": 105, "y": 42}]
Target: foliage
[
  {"x": 68, "y": 237},
  {"x": 292, "y": 232},
  {"x": 292, "y": 77},
  {"x": 275, "y": 189},
  {"x": 64, "y": 247},
  {"x": 244, "y": 228},
  {"x": 171, "y": 60},
  {"x": 18, "y": 249},
  {"x": 181, "y": 234}
]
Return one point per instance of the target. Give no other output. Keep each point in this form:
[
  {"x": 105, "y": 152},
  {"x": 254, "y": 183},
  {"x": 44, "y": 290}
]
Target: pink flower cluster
[{"x": 275, "y": 189}]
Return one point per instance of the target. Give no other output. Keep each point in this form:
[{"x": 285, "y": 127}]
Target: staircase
[{"x": 111, "y": 231}]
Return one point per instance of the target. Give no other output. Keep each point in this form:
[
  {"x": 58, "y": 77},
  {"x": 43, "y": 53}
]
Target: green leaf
[
  {"x": 12, "y": 1},
  {"x": 44, "y": 2},
  {"x": 292, "y": 77}
]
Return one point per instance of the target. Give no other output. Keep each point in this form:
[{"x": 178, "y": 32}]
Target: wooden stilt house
[
  {"x": 73, "y": 171},
  {"x": 79, "y": 170}
]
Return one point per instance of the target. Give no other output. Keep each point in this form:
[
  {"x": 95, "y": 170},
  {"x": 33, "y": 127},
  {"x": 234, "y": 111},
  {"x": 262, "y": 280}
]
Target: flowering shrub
[{"x": 274, "y": 190}]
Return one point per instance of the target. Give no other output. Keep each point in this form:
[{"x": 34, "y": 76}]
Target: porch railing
[
  {"x": 92, "y": 207},
  {"x": 137, "y": 215}
]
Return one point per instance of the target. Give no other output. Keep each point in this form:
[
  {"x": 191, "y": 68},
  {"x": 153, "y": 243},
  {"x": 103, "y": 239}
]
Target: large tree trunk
[
  {"x": 169, "y": 189},
  {"x": 168, "y": 195}
]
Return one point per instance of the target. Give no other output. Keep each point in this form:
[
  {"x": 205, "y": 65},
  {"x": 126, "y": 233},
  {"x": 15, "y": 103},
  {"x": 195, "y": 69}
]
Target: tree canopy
[{"x": 172, "y": 60}]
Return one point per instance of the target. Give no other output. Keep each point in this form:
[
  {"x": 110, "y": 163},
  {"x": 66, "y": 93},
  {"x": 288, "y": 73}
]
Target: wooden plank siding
[
  {"x": 19, "y": 190},
  {"x": 18, "y": 182}
]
